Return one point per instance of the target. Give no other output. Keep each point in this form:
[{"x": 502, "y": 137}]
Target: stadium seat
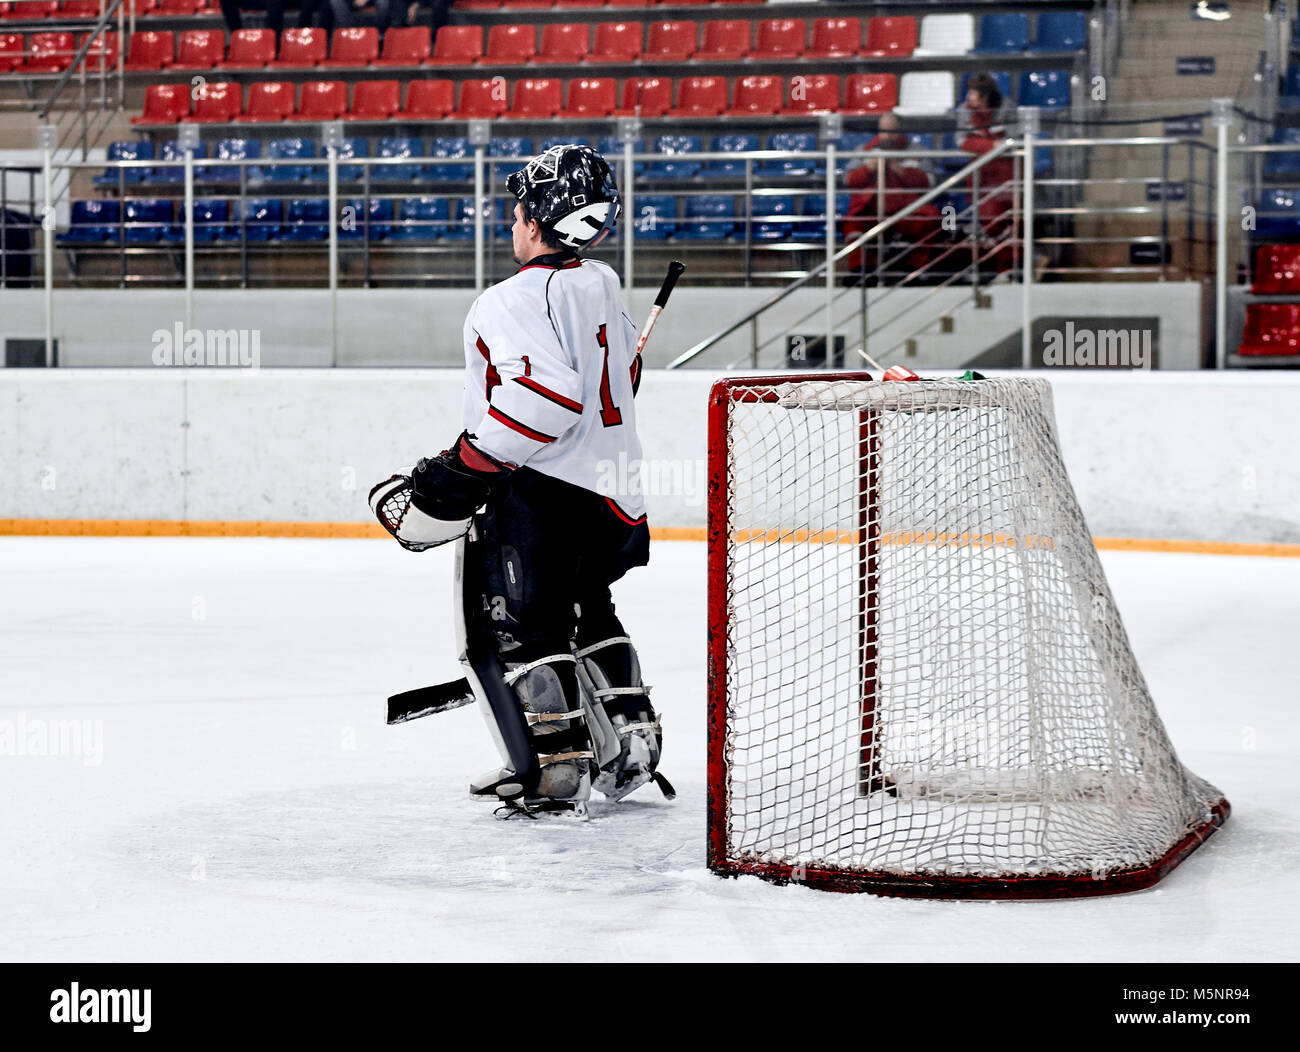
[
  {"x": 301, "y": 48},
  {"x": 482, "y": 98},
  {"x": 1003, "y": 34},
  {"x": 1284, "y": 165},
  {"x": 779, "y": 38},
  {"x": 510, "y": 45},
  {"x": 675, "y": 145},
  {"x": 870, "y": 93},
  {"x": 250, "y": 49},
  {"x": 612, "y": 149},
  {"x": 33, "y": 10},
  {"x": 508, "y": 146},
  {"x": 460, "y": 224},
  {"x": 814, "y": 208},
  {"x": 627, "y": 3},
  {"x": 49, "y": 52},
  {"x": 1049, "y": 89},
  {"x": 1064, "y": 31},
  {"x": 813, "y": 93},
  {"x": 563, "y": 42},
  {"x": 101, "y": 55},
  {"x": 260, "y": 218},
  {"x": 353, "y": 46},
  {"x": 729, "y": 144},
  {"x": 591, "y": 98},
  {"x": 724, "y": 40},
  {"x": 537, "y": 98},
  {"x": 457, "y": 46},
  {"x": 890, "y": 37},
  {"x": 216, "y": 102},
  {"x": 946, "y": 35},
  {"x": 306, "y": 219},
  {"x": 708, "y": 217},
  {"x": 350, "y": 149},
  {"x": 91, "y": 222},
  {"x": 562, "y": 140},
  {"x": 13, "y": 48},
  {"x": 291, "y": 149},
  {"x": 448, "y": 147},
  {"x": 146, "y": 219},
  {"x": 1291, "y": 83},
  {"x": 200, "y": 49},
  {"x": 669, "y": 42},
  {"x": 655, "y": 218},
  {"x": 402, "y": 173},
  {"x": 421, "y": 219},
  {"x": 211, "y": 221},
  {"x": 646, "y": 97},
  {"x": 79, "y": 9},
  {"x": 925, "y": 94},
  {"x": 128, "y": 150},
  {"x": 269, "y": 100},
  {"x": 845, "y": 143},
  {"x": 429, "y": 99},
  {"x": 377, "y": 220},
  {"x": 1271, "y": 329},
  {"x": 175, "y": 8},
  {"x": 1278, "y": 214},
  {"x": 375, "y": 100},
  {"x": 790, "y": 142},
  {"x": 164, "y": 104},
  {"x": 771, "y": 216},
  {"x": 1000, "y": 77},
  {"x": 322, "y": 100},
  {"x": 835, "y": 38},
  {"x": 700, "y": 97},
  {"x": 1277, "y": 270},
  {"x": 757, "y": 96},
  {"x": 406, "y": 46},
  {"x": 230, "y": 150},
  {"x": 616, "y": 42}
]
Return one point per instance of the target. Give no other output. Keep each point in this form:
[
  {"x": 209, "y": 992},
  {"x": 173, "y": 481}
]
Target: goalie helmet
[{"x": 569, "y": 189}]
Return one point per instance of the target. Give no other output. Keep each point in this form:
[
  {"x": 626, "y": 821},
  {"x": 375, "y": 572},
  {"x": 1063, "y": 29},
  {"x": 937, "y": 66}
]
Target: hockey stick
[{"x": 444, "y": 697}]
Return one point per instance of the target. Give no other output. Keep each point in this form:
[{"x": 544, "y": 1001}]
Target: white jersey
[{"x": 550, "y": 363}]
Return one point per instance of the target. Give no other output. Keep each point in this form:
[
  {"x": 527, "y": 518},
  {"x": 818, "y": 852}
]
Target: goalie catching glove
[{"x": 433, "y": 502}]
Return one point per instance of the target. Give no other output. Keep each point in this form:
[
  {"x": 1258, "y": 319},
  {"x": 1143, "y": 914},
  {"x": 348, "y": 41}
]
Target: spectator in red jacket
[{"x": 983, "y": 113}]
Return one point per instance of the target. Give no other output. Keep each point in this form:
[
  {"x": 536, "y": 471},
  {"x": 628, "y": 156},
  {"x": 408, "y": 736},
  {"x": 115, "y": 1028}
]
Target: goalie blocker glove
[{"x": 434, "y": 501}]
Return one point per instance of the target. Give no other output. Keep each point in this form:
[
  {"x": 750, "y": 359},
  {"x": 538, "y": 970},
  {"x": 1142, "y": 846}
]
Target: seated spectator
[
  {"x": 230, "y": 10},
  {"x": 985, "y": 117}
]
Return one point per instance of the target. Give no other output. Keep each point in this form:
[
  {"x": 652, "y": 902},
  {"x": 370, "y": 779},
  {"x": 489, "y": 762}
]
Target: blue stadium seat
[
  {"x": 920, "y": 141},
  {"x": 229, "y": 150},
  {"x": 656, "y": 216},
  {"x": 793, "y": 166},
  {"x": 132, "y": 150},
  {"x": 729, "y": 144},
  {"x": 1284, "y": 165},
  {"x": 814, "y": 207},
  {"x": 504, "y": 210},
  {"x": 261, "y": 216},
  {"x": 947, "y": 165},
  {"x": 767, "y": 213},
  {"x": 211, "y": 221},
  {"x": 461, "y": 226},
  {"x": 1049, "y": 89},
  {"x": 612, "y": 149},
  {"x": 709, "y": 217},
  {"x": 850, "y": 141},
  {"x": 1003, "y": 34},
  {"x": 448, "y": 147},
  {"x": 295, "y": 148},
  {"x": 175, "y": 172},
  {"x": 1278, "y": 214},
  {"x": 351, "y": 148},
  {"x": 423, "y": 219},
  {"x": 402, "y": 173},
  {"x": 91, "y": 222},
  {"x": 1002, "y": 79},
  {"x": 562, "y": 140},
  {"x": 147, "y": 219},
  {"x": 508, "y": 146},
  {"x": 675, "y": 145},
  {"x": 307, "y": 219},
  {"x": 381, "y": 219},
  {"x": 1062, "y": 31},
  {"x": 1291, "y": 85}
]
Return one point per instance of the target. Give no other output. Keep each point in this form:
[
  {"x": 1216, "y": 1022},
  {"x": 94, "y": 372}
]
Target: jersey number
[{"x": 609, "y": 414}]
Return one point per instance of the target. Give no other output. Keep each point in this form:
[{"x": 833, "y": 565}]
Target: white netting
[{"x": 925, "y": 671}]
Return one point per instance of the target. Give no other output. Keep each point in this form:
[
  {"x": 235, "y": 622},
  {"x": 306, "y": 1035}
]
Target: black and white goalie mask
[{"x": 569, "y": 189}]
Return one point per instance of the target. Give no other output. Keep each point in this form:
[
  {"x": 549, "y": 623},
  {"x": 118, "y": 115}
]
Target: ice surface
[{"x": 251, "y": 804}]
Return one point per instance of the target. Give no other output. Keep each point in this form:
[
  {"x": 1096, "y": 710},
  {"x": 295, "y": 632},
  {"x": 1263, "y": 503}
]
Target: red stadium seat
[
  {"x": 758, "y": 96},
  {"x": 646, "y": 97},
  {"x": 200, "y": 49},
  {"x": 13, "y": 48},
  {"x": 164, "y": 104},
  {"x": 512, "y": 4},
  {"x": 1277, "y": 270},
  {"x": 835, "y": 38},
  {"x": 591, "y": 97},
  {"x": 322, "y": 100},
  {"x": 250, "y": 49},
  {"x": 457, "y": 46},
  {"x": 724, "y": 40},
  {"x": 375, "y": 100},
  {"x": 701, "y": 97},
  {"x": 1271, "y": 329},
  {"x": 780, "y": 38},
  {"x": 101, "y": 56},
  {"x": 352, "y": 47},
  {"x": 79, "y": 9},
  {"x": 538, "y": 98},
  {"x": 176, "y": 8},
  {"x": 301, "y": 48},
  {"x": 406, "y": 46},
  {"x": 628, "y": 3},
  {"x": 218, "y": 102},
  {"x": 891, "y": 36},
  {"x": 49, "y": 52},
  {"x": 482, "y": 98},
  {"x": 616, "y": 42},
  {"x": 510, "y": 45},
  {"x": 477, "y": 5},
  {"x": 813, "y": 93},
  {"x": 670, "y": 42},
  {"x": 33, "y": 11},
  {"x": 870, "y": 93},
  {"x": 150, "y": 50},
  {"x": 563, "y": 42},
  {"x": 269, "y": 100},
  {"x": 429, "y": 99}
]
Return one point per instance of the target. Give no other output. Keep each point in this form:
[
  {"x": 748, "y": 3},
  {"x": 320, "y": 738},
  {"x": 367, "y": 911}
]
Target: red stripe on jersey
[
  {"x": 623, "y": 515},
  {"x": 482, "y": 347},
  {"x": 515, "y": 425},
  {"x": 547, "y": 393}
]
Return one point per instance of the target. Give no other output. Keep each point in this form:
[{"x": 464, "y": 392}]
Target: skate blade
[{"x": 549, "y": 810}]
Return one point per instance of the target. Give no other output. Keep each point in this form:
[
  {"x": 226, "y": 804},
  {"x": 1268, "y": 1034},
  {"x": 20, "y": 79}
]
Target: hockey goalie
[{"x": 551, "y": 368}]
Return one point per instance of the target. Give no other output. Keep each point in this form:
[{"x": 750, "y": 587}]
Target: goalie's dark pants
[{"x": 549, "y": 547}]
